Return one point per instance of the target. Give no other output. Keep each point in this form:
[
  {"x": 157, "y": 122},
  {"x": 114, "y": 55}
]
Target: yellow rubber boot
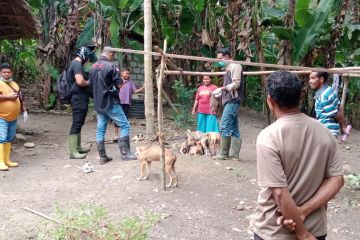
[
  {"x": 3, "y": 167},
  {"x": 8, "y": 162}
]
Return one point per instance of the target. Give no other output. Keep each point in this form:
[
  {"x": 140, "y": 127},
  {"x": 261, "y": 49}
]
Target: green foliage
[
  {"x": 307, "y": 36},
  {"x": 302, "y": 12},
  {"x": 89, "y": 221},
  {"x": 283, "y": 33},
  {"x": 21, "y": 54},
  {"x": 114, "y": 31},
  {"x": 352, "y": 108},
  {"x": 185, "y": 99},
  {"x": 87, "y": 34},
  {"x": 54, "y": 73},
  {"x": 254, "y": 96},
  {"x": 353, "y": 180}
]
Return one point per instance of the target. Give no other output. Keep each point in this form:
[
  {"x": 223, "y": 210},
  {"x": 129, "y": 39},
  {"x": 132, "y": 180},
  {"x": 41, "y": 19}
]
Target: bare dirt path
[{"x": 204, "y": 206}]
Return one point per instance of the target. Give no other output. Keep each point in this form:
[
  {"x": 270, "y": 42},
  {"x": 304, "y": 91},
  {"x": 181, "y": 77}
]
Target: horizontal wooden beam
[
  {"x": 253, "y": 73},
  {"x": 267, "y": 65}
]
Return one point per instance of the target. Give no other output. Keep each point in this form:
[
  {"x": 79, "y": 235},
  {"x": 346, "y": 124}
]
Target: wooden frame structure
[{"x": 347, "y": 72}]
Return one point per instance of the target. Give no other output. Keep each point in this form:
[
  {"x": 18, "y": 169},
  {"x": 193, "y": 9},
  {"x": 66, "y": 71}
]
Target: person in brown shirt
[{"x": 298, "y": 166}]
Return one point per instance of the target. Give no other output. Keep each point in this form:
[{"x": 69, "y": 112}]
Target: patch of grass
[
  {"x": 353, "y": 180},
  {"x": 90, "y": 222}
]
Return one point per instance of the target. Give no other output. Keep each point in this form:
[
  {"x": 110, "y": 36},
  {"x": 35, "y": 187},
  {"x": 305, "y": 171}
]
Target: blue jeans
[
  {"x": 7, "y": 131},
  {"x": 229, "y": 125},
  {"x": 116, "y": 114}
]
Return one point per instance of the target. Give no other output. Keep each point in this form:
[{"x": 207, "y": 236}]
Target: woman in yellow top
[{"x": 10, "y": 107}]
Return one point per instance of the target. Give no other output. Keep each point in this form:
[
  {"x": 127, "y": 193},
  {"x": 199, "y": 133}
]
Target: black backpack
[{"x": 63, "y": 88}]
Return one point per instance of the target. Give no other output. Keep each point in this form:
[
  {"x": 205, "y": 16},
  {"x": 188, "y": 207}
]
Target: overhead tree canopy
[{"x": 16, "y": 20}]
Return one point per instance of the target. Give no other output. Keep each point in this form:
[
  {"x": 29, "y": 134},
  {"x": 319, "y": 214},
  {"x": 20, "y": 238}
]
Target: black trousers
[
  {"x": 79, "y": 105},
  {"x": 256, "y": 237},
  {"x": 126, "y": 110}
]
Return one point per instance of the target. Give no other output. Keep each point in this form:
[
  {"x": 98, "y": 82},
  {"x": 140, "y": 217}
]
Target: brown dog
[
  {"x": 147, "y": 154},
  {"x": 213, "y": 142},
  {"x": 196, "y": 149},
  {"x": 209, "y": 141}
]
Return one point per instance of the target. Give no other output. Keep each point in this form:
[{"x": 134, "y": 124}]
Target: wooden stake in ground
[
  {"x": 345, "y": 89},
  {"x": 161, "y": 117}
]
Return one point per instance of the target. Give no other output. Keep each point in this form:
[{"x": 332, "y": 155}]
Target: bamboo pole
[
  {"x": 355, "y": 70},
  {"x": 252, "y": 73},
  {"x": 161, "y": 117},
  {"x": 167, "y": 72}
]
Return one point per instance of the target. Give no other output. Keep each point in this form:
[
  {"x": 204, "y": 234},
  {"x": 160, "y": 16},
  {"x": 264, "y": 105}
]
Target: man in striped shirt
[{"x": 327, "y": 104}]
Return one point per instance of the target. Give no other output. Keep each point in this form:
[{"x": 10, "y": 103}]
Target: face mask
[
  {"x": 4, "y": 80},
  {"x": 219, "y": 64}
]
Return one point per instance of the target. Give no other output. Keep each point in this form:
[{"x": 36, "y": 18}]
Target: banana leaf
[{"x": 307, "y": 36}]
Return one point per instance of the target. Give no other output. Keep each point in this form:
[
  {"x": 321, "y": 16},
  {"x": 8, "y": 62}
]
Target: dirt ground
[{"x": 204, "y": 206}]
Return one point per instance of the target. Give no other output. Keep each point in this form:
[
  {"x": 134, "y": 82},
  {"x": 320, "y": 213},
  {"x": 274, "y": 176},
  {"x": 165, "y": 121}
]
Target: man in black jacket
[
  {"x": 79, "y": 99},
  {"x": 105, "y": 80}
]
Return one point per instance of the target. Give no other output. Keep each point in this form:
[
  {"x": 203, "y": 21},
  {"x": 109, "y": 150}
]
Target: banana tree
[{"x": 311, "y": 22}]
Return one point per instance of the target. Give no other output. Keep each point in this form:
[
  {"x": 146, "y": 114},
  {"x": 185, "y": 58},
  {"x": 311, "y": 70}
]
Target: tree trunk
[
  {"x": 355, "y": 18},
  {"x": 234, "y": 12},
  {"x": 149, "y": 91},
  {"x": 261, "y": 58},
  {"x": 335, "y": 35},
  {"x": 286, "y": 47}
]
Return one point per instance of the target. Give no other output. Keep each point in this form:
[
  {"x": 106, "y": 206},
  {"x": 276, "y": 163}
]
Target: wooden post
[
  {"x": 161, "y": 117},
  {"x": 343, "y": 97},
  {"x": 148, "y": 71}
]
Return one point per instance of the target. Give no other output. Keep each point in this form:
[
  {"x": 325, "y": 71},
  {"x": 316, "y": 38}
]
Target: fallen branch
[
  {"x": 171, "y": 104},
  {"x": 106, "y": 141},
  {"x": 41, "y": 215}
]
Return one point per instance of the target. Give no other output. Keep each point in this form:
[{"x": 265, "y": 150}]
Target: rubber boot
[
  {"x": 124, "y": 146},
  {"x": 235, "y": 148},
  {"x": 102, "y": 153},
  {"x": 3, "y": 167},
  {"x": 8, "y": 162},
  {"x": 82, "y": 149},
  {"x": 73, "y": 145},
  {"x": 224, "y": 149}
]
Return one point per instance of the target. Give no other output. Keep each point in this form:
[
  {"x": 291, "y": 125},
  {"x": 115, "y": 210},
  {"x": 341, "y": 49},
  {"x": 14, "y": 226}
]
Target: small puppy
[
  {"x": 209, "y": 141},
  {"x": 148, "y": 154},
  {"x": 213, "y": 142},
  {"x": 196, "y": 149}
]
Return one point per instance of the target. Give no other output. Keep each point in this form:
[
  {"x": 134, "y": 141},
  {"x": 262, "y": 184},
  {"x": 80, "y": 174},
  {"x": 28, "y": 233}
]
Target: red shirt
[{"x": 203, "y": 95}]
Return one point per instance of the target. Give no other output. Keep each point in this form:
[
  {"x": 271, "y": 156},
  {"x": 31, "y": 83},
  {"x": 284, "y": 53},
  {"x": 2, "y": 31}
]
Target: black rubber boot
[
  {"x": 102, "y": 153},
  {"x": 124, "y": 146}
]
